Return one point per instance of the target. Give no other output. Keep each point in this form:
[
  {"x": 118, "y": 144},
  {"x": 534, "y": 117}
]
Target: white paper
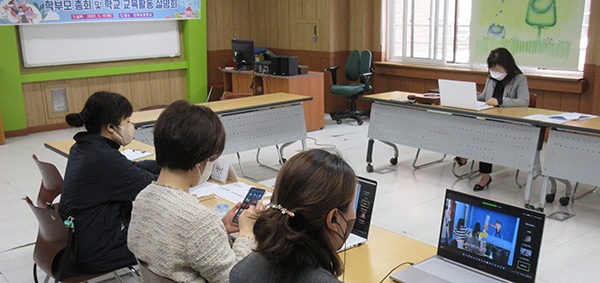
[
  {"x": 559, "y": 118},
  {"x": 234, "y": 192},
  {"x": 135, "y": 154},
  {"x": 572, "y": 116}
]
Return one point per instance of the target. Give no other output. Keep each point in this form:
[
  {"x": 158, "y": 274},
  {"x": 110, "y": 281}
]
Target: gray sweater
[
  {"x": 256, "y": 268},
  {"x": 181, "y": 239},
  {"x": 516, "y": 92}
]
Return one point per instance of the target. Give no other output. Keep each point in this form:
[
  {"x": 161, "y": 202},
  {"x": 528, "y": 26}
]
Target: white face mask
[
  {"x": 205, "y": 175},
  {"x": 498, "y": 75},
  {"x": 126, "y": 134}
]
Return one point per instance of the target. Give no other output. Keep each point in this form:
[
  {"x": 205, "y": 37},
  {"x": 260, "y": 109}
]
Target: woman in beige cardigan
[{"x": 171, "y": 233}]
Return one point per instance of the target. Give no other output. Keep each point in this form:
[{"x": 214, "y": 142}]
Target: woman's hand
[
  {"x": 227, "y": 219},
  {"x": 248, "y": 218},
  {"x": 492, "y": 102}
]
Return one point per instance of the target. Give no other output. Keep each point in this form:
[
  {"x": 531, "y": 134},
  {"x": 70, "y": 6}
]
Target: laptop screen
[
  {"x": 493, "y": 237},
  {"x": 365, "y": 199}
]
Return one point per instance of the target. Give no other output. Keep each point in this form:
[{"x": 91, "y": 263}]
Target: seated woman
[
  {"x": 506, "y": 86},
  {"x": 310, "y": 216},
  {"x": 171, "y": 233},
  {"x": 100, "y": 183},
  {"x": 474, "y": 240}
]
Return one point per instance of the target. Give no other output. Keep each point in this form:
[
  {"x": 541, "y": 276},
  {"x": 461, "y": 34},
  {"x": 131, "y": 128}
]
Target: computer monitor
[{"x": 243, "y": 54}]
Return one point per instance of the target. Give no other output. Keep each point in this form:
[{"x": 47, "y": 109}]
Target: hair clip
[{"x": 281, "y": 208}]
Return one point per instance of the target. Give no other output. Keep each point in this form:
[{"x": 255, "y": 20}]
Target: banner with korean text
[{"x": 25, "y": 12}]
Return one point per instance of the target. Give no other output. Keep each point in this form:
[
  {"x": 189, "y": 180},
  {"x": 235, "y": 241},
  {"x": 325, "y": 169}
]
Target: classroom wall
[
  {"x": 287, "y": 27},
  {"x": 344, "y": 25},
  {"x": 24, "y": 91}
]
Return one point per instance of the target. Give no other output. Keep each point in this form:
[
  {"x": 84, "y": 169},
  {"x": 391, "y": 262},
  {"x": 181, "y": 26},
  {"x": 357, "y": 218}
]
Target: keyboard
[{"x": 451, "y": 272}]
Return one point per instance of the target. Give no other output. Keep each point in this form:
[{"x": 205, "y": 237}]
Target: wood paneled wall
[
  {"x": 310, "y": 25},
  {"x": 143, "y": 89},
  {"x": 320, "y": 32}
]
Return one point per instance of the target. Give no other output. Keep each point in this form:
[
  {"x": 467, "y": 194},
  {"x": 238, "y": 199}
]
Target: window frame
[{"x": 390, "y": 37}]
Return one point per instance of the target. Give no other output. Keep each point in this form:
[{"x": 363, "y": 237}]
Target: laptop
[
  {"x": 506, "y": 250},
  {"x": 365, "y": 200},
  {"x": 460, "y": 94}
]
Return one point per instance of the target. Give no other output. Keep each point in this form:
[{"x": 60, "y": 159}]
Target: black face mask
[{"x": 346, "y": 234}]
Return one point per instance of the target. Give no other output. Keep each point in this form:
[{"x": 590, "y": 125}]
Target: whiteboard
[{"x": 64, "y": 44}]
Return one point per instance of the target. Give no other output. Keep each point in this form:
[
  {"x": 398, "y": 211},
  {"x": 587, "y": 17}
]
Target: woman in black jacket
[{"x": 101, "y": 183}]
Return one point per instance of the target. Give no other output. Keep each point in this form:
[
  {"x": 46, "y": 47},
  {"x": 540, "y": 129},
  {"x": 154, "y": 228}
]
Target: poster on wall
[
  {"x": 27, "y": 12},
  {"x": 539, "y": 33}
]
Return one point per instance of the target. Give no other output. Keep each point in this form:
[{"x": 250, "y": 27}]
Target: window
[{"x": 438, "y": 32}]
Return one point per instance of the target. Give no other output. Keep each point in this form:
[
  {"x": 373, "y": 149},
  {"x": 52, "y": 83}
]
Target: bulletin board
[{"x": 66, "y": 44}]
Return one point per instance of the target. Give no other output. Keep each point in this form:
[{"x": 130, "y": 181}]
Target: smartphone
[{"x": 253, "y": 196}]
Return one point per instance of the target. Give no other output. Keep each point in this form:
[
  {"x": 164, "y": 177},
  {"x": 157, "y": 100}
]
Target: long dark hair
[
  {"x": 102, "y": 108},
  {"x": 501, "y": 56},
  {"x": 476, "y": 229},
  {"x": 310, "y": 184}
]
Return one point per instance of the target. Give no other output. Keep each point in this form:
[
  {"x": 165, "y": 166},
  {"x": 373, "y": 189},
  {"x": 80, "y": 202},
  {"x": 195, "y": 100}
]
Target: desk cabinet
[{"x": 311, "y": 84}]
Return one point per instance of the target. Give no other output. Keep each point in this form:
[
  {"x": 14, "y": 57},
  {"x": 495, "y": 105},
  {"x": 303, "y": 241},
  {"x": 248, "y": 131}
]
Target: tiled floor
[{"x": 408, "y": 201}]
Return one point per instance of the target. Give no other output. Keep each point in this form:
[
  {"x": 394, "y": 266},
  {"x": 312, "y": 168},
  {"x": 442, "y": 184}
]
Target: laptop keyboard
[{"x": 451, "y": 272}]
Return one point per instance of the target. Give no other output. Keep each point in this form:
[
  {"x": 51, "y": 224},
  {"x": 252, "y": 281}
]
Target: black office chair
[{"x": 358, "y": 69}]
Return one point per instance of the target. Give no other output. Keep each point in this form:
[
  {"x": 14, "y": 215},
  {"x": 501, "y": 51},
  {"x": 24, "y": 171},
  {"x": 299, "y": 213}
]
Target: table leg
[{"x": 370, "y": 155}]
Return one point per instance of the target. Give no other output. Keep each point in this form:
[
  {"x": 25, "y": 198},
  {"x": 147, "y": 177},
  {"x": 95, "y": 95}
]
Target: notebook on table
[
  {"x": 365, "y": 200},
  {"x": 506, "y": 250},
  {"x": 460, "y": 94}
]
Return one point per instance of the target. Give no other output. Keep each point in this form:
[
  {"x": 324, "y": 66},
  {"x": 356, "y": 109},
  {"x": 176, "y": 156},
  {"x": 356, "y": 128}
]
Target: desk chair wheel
[
  {"x": 550, "y": 198},
  {"x": 369, "y": 168},
  {"x": 393, "y": 160},
  {"x": 564, "y": 201},
  {"x": 360, "y": 122},
  {"x": 339, "y": 121}
]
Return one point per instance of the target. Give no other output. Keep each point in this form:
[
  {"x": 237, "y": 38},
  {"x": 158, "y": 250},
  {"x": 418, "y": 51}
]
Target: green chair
[{"x": 358, "y": 71}]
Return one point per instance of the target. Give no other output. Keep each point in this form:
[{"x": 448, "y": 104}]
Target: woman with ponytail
[
  {"x": 308, "y": 220},
  {"x": 101, "y": 183}
]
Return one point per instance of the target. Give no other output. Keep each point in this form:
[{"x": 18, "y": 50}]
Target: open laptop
[
  {"x": 507, "y": 249},
  {"x": 365, "y": 200},
  {"x": 460, "y": 94}
]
